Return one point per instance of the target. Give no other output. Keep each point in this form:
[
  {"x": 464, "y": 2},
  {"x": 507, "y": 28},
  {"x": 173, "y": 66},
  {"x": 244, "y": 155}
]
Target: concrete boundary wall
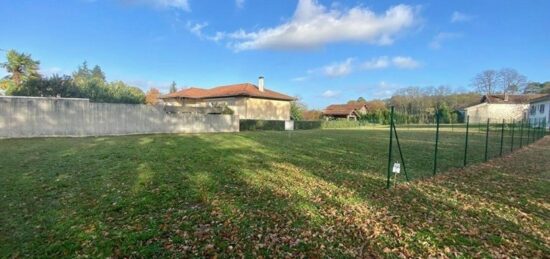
[{"x": 22, "y": 117}]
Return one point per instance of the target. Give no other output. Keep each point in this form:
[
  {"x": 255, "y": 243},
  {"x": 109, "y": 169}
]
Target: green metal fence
[{"x": 424, "y": 150}]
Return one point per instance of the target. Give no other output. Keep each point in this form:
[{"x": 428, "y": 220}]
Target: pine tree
[{"x": 173, "y": 88}]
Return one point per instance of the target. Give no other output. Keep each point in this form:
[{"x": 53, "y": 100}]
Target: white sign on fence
[{"x": 396, "y": 168}]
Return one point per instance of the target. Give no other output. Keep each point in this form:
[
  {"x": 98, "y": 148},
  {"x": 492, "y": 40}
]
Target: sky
[{"x": 319, "y": 50}]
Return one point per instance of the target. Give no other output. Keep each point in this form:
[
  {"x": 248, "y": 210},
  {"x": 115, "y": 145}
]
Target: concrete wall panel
[{"x": 22, "y": 117}]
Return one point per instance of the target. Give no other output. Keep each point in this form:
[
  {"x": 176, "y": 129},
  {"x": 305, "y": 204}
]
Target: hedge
[
  {"x": 251, "y": 125},
  {"x": 306, "y": 125},
  {"x": 334, "y": 124}
]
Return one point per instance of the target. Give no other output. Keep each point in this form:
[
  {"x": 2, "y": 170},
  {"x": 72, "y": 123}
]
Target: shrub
[
  {"x": 306, "y": 125},
  {"x": 251, "y": 125},
  {"x": 335, "y": 124}
]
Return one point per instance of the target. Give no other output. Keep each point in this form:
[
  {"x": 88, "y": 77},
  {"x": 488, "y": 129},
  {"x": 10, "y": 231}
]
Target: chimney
[
  {"x": 261, "y": 83},
  {"x": 505, "y": 96}
]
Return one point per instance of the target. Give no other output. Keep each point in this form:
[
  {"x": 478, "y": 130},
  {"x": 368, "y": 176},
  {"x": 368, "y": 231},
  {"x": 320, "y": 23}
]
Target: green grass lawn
[{"x": 313, "y": 193}]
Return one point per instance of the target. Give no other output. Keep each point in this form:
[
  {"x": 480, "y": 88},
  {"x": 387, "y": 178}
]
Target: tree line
[
  {"x": 507, "y": 80},
  {"x": 24, "y": 79},
  {"x": 419, "y": 104}
]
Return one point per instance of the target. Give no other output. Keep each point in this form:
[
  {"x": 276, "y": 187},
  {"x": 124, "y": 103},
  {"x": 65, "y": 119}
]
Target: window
[
  {"x": 533, "y": 109},
  {"x": 541, "y": 108}
]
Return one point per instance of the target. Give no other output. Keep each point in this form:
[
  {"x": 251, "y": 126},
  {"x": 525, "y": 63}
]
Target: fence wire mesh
[{"x": 428, "y": 142}]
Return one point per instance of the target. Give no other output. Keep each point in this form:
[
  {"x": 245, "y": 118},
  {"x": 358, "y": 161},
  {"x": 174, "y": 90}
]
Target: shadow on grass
[{"x": 313, "y": 193}]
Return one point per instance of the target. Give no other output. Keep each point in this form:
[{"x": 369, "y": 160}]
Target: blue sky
[{"x": 323, "y": 51}]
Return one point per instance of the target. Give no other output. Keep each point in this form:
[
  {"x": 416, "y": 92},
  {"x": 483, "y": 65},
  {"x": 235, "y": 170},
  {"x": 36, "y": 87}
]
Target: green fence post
[
  {"x": 534, "y": 137},
  {"x": 521, "y": 134},
  {"x": 400, "y": 153},
  {"x": 466, "y": 141},
  {"x": 528, "y": 132},
  {"x": 512, "y": 144},
  {"x": 436, "y": 140},
  {"x": 487, "y": 140},
  {"x": 390, "y": 149},
  {"x": 538, "y": 129},
  {"x": 534, "y": 129},
  {"x": 501, "y": 137}
]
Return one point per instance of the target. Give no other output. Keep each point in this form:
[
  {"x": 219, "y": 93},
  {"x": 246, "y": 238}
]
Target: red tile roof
[
  {"x": 342, "y": 109},
  {"x": 512, "y": 99},
  {"x": 246, "y": 89},
  {"x": 542, "y": 98}
]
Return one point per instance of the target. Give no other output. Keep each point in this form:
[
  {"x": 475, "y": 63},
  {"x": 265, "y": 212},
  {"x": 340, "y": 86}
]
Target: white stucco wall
[
  {"x": 265, "y": 109},
  {"x": 244, "y": 107},
  {"x": 538, "y": 116},
  {"x": 496, "y": 112}
]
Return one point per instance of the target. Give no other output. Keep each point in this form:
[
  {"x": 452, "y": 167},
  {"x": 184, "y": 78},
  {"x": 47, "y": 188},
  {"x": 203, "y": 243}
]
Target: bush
[
  {"x": 306, "y": 125},
  {"x": 335, "y": 124},
  {"x": 252, "y": 125}
]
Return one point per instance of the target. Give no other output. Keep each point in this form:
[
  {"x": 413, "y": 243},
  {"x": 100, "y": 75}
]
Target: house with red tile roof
[
  {"x": 246, "y": 100},
  {"x": 349, "y": 111}
]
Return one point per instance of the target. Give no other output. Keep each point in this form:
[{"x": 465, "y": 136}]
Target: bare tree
[
  {"x": 511, "y": 81},
  {"x": 486, "y": 82}
]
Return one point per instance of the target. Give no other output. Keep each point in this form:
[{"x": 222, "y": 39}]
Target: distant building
[
  {"x": 345, "y": 111},
  {"x": 539, "y": 111},
  {"x": 246, "y": 100},
  {"x": 498, "y": 107}
]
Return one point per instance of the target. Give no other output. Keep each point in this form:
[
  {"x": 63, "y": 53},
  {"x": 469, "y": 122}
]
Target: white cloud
[
  {"x": 330, "y": 94},
  {"x": 196, "y": 28},
  {"x": 339, "y": 69},
  {"x": 175, "y": 4},
  {"x": 377, "y": 63},
  {"x": 405, "y": 62},
  {"x": 438, "y": 39},
  {"x": 299, "y": 79},
  {"x": 400, "y": 62},
  {"x": 460, "y": 17},
  {"x": 350, "y": 65},
  {"x": 314, "y": 25},
  {"x": 239, "y": 3}
]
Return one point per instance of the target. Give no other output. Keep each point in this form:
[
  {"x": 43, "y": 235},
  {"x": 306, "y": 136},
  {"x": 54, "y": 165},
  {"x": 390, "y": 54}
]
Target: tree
[
  {"x": 486, "y": 82},
  {"x": 151, "y": 97},
  {"x": 82, "y": 73},
  {"x": 5, "y": 84},
  {"x": 444, "y": 113},
  {"x": 52, "y": 86},
  {"x": 296, "y": 109},
  {"x": 311, "y": 115},
  {"x": 537, "y": 88},
  {"x": 119, "y": 92},
  {"x": 173, "y": 88},
  {"x": 511, "y": 81},
  {"x": 97, "y": 74},
  {"x": 359, "y": 100},
  {"x": 21, "y": 67}
]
